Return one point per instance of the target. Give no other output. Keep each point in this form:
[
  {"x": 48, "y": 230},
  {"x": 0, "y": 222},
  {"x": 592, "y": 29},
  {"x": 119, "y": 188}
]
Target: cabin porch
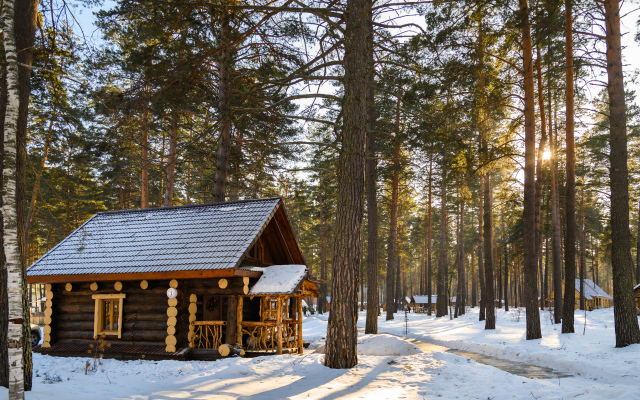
[{"x": 265, "y": 324}]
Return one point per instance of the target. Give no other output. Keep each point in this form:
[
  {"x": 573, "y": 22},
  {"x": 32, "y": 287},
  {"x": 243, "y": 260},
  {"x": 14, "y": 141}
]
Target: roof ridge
[{"x": 187, "y": 206}]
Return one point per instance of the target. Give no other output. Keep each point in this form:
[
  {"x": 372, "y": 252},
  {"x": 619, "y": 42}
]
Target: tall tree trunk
[
  {"x": 224, "y": 140},
  {"x": 490, "y": 313},
  {"x": 4, "y": 301},
  {"x": 570, "y": 238},
  {"x": 556, "y": 244},
  {"x": 506, "y": 270},
  {"x": 460, "y": 299},
  {"x": 583, "y": 260},
  {"x": 540, "y": 169},
  {"x": 323, "y": 259},
  {"x": 638, "y": 248},
  {"x": 171, "y": 164},
  {"x": 144, "y": 156},
  {"x": 474, "y": 280},
  {"x": 393, "y": 224},
  {"x": 429, "y": 213},
  {"x": 441, "y": 293},
  {"x": 529, "y": 213},
  {"x": 483, "y": 287},
  {"x": 371, "y": 178},
  {"x": 342, "y": 328},
  {"x": 26, "y": 13},
  {"x": 545, "y": 291},
  {"x": 624, "y": 309},
  {"x": 13, "y": 265}
]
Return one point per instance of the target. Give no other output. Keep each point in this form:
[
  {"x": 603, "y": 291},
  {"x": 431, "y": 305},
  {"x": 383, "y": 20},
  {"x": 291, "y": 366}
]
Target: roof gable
[{"x": 187, "y": 238}]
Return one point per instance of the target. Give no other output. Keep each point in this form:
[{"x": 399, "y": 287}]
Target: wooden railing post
[
  {"x": 300, "y": 325},
  {"x": 279, "y": 325},
  {"x": 239, "y": 321}
]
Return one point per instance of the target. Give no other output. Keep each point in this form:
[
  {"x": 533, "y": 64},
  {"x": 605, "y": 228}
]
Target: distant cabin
[
  {"x": 177, "y": 282},
  {"x": 420, "y": 303},
  {"x": 636, "y": 294},
  {"x": 594, "y": 296}
]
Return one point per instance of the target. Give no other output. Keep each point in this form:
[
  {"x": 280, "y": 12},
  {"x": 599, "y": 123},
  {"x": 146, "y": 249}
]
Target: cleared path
[{"x": 512, "y": 367}]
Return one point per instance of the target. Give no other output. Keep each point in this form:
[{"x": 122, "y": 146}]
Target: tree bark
[
  {"x": 13, "y": 265},
  {"x": 483, "y": 289},
  {"x": 490, "y": 313},
  {"x": 4, "y": 301},
  {"x": 442, "y": 299},
  {"x": 556, "y": 244},
  {"x": 393, "y": 225},
  {"x": 624, "y": 309},
  {"x": 460, "y": 300},
  {"x": 540, "y": 170},
  {"x": 638, "y": 247},
  {"x": 529, "y": 212},
  {"x": 570, "y": 219},
  {"x": 429, "y": 214},
  {"x": 506, "y": 271},
  {"x": 323, "y": 258},
  {"x": 583, "y": 260},
  {"x": 342, "y": 328},
  {"x": 25, "y": 26},
  {"x": 371, "y": 165}
]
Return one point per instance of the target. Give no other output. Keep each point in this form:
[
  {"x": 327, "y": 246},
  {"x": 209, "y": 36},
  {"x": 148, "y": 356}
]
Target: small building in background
[{"x": 594, "y": 296}]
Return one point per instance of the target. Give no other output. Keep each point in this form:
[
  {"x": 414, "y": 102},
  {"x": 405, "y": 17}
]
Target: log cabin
[
  {"x": 420, "y": 303},
  {"x": 594, "y": 296},
  {"x": 176, "y": 282},
  {"x": 636, "y": 294}
]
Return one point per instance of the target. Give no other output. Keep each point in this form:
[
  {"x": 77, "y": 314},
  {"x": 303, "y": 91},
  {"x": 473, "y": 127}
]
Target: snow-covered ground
[{"x": 387, "y": 369}]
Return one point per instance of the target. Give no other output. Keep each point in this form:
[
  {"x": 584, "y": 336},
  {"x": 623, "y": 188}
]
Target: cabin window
[{"x": 108, "y": 314}]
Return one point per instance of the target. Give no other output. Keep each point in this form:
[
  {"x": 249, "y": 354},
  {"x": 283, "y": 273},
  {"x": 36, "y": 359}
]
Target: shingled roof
[{"x": 187, "y": 238}]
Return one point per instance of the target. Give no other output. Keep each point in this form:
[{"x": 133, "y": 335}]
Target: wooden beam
[
  {"x": 279, "y": 325},
  {"x": 232, "y": 309},
  {"x": 300, "y": 342},
  {"x": 249, "y": 274},
  {"x": 207, "y": 273},
  {"x": 239, "y": 320}
]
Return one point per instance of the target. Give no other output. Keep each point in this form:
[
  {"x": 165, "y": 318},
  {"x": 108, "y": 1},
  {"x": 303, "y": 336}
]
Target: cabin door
[{"x": 215, "y": 308}]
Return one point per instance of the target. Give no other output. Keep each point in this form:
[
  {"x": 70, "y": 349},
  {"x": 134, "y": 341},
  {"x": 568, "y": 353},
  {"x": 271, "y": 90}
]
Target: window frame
[{"x": 98, "y": 318}]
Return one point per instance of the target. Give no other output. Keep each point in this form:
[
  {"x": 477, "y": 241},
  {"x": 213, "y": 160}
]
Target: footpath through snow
[
  {"x": 590, "y": 352},
  {"x": 388, "y": 368}
]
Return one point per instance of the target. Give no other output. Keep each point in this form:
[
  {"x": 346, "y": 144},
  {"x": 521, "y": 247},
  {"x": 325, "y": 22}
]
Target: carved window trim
[{"x": 99, "y": 315}]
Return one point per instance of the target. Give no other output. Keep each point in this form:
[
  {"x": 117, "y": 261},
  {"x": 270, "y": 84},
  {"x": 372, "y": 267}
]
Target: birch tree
[{"x": 13, "y": 264}]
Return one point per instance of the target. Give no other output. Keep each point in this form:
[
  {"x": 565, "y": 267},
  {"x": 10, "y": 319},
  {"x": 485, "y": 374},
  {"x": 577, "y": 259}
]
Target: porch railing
[
  {"x": 263, "y": 334},
  {"x": 206, "y": 334}
]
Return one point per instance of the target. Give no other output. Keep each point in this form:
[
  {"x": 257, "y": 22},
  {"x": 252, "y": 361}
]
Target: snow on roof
[
  {"x": 279, "y": 279},
  {"x": 637, "y": 286},
  {"x": 592, "y": 290},
  {"x": 420, "y": 299},
  {"x": 407, "y": 299},
  {"x": 186, "y": 238},
  {"x": 328, "y": 299}
]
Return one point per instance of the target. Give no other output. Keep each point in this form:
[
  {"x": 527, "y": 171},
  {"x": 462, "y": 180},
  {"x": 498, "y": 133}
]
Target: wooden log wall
[
  {"x": 144, "y": 315},
  {"x": 146, "y": 309}
]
